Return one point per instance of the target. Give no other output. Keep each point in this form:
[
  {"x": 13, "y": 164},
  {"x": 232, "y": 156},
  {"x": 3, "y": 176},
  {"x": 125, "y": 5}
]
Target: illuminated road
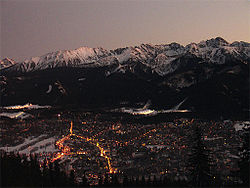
[{"x": 65, "y": 150}]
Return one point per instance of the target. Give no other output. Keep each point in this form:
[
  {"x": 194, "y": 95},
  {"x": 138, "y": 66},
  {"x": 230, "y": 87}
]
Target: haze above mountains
[{"x": 213, "y": 75}]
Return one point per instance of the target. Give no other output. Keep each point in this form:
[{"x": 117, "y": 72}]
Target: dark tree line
[
  {"x": 23, "y": 171},
  {"x": 115, "y": 180}
]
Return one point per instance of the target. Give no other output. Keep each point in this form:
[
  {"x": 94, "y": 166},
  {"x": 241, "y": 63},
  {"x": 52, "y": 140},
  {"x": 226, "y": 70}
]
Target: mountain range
[{"x": 213, "y": 75}]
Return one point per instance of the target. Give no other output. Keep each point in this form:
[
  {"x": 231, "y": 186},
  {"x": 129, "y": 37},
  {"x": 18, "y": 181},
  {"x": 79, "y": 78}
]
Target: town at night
[{"x": 115, "y": 93}]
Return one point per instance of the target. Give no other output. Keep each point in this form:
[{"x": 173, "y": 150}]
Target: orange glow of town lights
[{"x": 65, "y": 150}]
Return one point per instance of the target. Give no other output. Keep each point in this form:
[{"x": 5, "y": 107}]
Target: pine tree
[
  {"x": 244, "y": 159},
  {"x": 85, "y": 182},
  {"x": 149, "y": 183},
  {"x": 106, "y": 180},
  {"x": 125, "y": 181},
  {"x": 137, "y": 181},
  {"x": 115, "y": 181},
  {"x": 35, "y": 172},
  {"x": 154, "y": 181},
  {"x": 100, "y": 181},
  {"x": 143, "y": 181},
  {"x": 45, "y": 174},
  {"x": 132, "y": 181},
  {"x": 51, "y": 174},
  {"x": 72, "y": 178},
  {"x": 200, "y": 161}
]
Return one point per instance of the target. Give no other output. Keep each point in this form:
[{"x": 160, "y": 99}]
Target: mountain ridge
[
  {"x": 213, "y": 75},
  {"x": 157, "y": 57}
]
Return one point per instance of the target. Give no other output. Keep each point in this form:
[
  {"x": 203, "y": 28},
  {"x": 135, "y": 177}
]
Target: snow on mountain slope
[
  {"x": 72, "y": 58},
  {"x": 6, "y": 62},
  {"x": 124, "y": 56},
  {"x": 159, "y": 58}
]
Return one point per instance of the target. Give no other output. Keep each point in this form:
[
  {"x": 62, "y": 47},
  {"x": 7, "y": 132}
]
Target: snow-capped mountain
[
  {"x": 160, "y": 59},
  {"x": 212, "y": 74},
  {"x": 68, "y": 58},
  {"x": 6, "y": 62}
]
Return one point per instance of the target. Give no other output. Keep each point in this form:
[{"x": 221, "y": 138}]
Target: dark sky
[{"x": 35, "y": 27}]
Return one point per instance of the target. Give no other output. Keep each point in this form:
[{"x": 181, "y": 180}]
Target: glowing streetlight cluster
[{"x": 65, "y": 150}]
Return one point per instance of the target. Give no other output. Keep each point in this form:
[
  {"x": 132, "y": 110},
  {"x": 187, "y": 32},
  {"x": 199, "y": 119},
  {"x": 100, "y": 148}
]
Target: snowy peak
[
  {"x": 159, "y": 58},
  {"x": 63, "y": 58},
  {"x": 6, "y": 62},
  {"x": 82, "y": 54},
  {"x": 240, "y": 44},
  {"x": 216, "y": 42},
  {"x": 219, "y": 51}
]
